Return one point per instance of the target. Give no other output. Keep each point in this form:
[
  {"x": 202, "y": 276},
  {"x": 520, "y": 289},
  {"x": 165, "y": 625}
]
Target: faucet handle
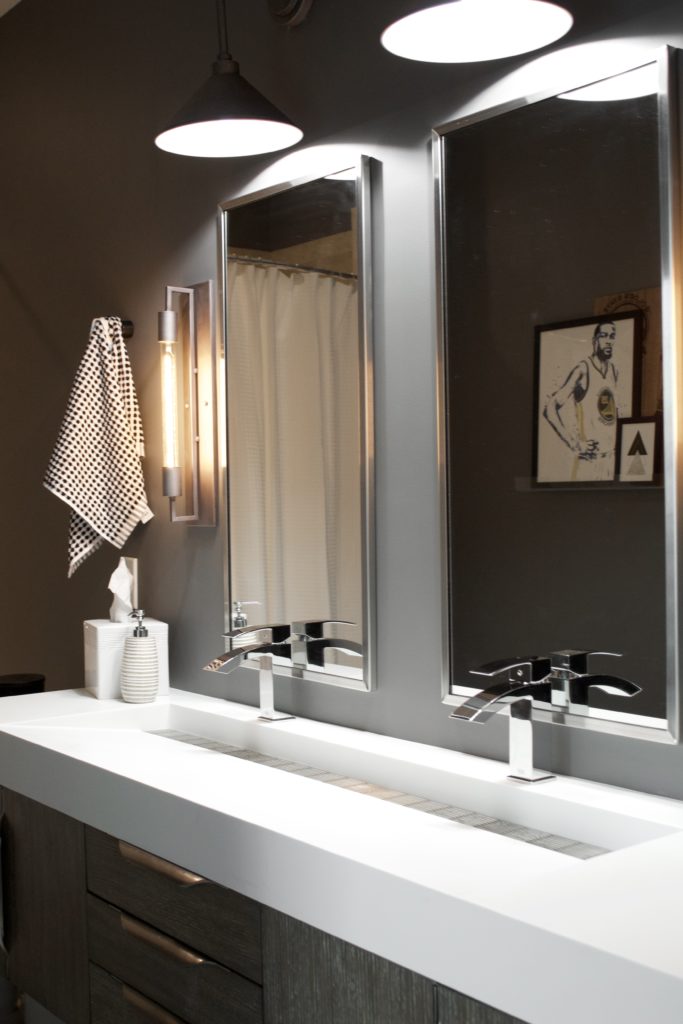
[
  {"x": 576, "y": 661},
  {"x": 528, "y": 669},
  {"x": 315, "y": 629},
  {"x": 578, "y": 689},
  {"x": 279, "y": 631},
  {"x": 316, "y": 647}
]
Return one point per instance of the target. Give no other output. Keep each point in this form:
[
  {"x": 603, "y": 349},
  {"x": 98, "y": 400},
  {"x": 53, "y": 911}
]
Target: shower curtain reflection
[{"x": 294, "y": 444}]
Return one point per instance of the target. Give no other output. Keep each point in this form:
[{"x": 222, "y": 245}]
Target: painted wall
[{"x": 95, "y": 220}]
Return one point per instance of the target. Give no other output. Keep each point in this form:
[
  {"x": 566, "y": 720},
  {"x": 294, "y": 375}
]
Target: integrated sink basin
[{"x": 566, "y": 815}]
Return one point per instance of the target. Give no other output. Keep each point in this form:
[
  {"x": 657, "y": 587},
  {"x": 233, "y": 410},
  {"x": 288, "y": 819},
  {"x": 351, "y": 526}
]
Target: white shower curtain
[{"x": 294, "y": 444}]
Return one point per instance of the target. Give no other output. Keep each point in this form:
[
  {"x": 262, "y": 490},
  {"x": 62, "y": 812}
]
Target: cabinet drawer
[
  {"x": 181, "y": 980},
  {"x": 221, "y": 923},
  {"x": 113, "y": 1002}
]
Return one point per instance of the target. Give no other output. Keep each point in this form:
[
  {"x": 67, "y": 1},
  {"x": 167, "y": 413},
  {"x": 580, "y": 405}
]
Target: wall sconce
[{"x": 188, "y": 403}]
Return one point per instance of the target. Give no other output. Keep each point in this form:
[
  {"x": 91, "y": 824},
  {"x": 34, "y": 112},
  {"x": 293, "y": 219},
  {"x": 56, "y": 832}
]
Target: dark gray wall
[{"x": 95, "y": 220}]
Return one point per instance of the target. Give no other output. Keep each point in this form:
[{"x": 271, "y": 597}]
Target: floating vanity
[{"x": 572, "y": 887}]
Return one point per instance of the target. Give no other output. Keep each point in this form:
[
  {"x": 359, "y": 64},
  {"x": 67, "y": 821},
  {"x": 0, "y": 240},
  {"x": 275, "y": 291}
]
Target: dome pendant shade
[
  {"x": 464, "y": 31},
  {"x": 228, "y": 117}
]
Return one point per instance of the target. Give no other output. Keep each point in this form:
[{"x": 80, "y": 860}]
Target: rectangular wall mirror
[
  {"x": 559, "y": 390},
  {"x": 296, "y": 307}
]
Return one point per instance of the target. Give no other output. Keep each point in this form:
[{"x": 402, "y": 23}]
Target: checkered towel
[{"x": 95, "y": 466}]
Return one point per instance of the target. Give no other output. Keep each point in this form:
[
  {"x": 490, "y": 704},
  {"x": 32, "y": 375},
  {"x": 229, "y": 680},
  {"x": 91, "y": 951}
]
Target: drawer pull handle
[
  {"x": 160, "y": 866},
  {"x": 147, "y": 1007},
  {"x": 161, "y": 942}
]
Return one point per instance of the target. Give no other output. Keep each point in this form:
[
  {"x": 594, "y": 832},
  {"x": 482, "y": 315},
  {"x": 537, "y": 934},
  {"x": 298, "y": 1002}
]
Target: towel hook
[{"x": 127, "y": 328}]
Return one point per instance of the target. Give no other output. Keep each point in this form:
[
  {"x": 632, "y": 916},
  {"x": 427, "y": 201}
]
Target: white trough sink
[{"x": 604, "y": 816}]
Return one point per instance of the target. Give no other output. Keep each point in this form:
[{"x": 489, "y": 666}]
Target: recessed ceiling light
[
  {"x": 465, "y": 31},
  {"x": 630, "y": 85}
]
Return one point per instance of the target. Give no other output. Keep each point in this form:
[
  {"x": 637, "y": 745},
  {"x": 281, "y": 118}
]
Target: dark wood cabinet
[
  {"x": 311, "y": 977},
  {"x": 43, "y": 861},
  {"x": 101, "y": 932},
  {"x": 182, "y": 980},
  {"x": 114, "y": 1002},
  {"x": 167, "y": 936},
  {"x": 455, "y": 1008},
  {"x": 223, "y": 924}
]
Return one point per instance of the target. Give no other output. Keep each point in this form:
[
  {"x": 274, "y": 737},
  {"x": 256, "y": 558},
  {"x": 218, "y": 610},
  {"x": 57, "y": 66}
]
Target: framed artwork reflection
[{"x": 588, "y": 379}]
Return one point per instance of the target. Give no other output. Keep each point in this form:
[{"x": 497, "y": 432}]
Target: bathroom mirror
[
  {"x": 558, "y": 239},
  {"x": 296, "y": 305}
]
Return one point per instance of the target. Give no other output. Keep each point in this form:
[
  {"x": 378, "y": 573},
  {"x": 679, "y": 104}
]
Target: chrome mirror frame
[
  {"x": 365, "y": 171},
  {"x": 670, "y": 130}
]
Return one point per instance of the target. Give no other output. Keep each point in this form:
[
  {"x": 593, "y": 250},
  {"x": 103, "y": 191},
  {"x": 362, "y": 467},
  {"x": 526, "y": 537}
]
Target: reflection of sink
[{"x": 589, "y": 813}]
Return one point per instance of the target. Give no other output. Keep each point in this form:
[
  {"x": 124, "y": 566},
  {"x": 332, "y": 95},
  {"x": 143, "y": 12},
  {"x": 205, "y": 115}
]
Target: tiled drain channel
[{"x": 535, "y": 837}]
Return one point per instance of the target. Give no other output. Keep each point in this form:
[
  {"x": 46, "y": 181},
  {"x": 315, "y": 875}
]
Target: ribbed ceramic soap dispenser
[{"x": 140, "y": 664}]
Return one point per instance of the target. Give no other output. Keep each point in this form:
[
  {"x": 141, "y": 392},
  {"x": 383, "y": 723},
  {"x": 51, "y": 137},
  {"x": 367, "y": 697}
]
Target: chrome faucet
[
  {"x": 276, "y": 644},
  {"x": 561, "y": 680},
  {"x": 525, "y": 680}
]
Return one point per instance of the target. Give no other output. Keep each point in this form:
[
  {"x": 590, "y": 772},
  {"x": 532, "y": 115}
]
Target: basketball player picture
[{"x": 586, "y": 385}]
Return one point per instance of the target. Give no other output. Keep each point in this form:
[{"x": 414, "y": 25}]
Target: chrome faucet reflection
[
  {"x": 309, "y": 643},
  {"x": 561, "y": 681},
  {"x": 300, "y": 645}
]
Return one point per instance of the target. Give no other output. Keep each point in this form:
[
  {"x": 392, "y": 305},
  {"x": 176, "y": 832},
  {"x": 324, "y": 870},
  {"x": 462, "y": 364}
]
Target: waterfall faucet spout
[
  {"x": 263, "y": 652},
  {"x": 524, "y": 682}
]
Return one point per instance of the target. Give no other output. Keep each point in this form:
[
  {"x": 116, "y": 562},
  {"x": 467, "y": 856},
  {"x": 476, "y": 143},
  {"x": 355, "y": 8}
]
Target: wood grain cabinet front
[
  {"x": 455, "y": 1008},
  {"x": 114, "y": 1002},
  {"x": 311, "y": 977},
  {"x": 222, "y": 924},
  {"x": 166, "y": 946},
  {"x": 182, "y": 980},
  {"x": 43, "y": 873}
]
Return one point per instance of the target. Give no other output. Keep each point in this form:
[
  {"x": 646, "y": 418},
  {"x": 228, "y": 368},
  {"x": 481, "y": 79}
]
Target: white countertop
[{"x": 542, "y": 936}]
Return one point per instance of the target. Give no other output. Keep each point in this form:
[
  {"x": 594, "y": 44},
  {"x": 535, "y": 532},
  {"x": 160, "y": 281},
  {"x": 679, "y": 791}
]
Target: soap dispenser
[
  {"x": 239, "y": 617},
  {"x": 140, "y": 664}
]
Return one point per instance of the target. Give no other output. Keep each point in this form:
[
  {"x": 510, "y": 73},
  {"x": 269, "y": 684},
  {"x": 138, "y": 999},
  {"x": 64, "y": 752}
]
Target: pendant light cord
[{"x": 223, "y": 48}]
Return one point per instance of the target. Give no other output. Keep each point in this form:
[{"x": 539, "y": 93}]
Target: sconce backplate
[{"x": 290, "y": 12}]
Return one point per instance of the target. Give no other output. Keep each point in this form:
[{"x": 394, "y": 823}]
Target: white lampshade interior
[
  {"x": 226, "y": 138},
  {"x": 466, "y": 31}
]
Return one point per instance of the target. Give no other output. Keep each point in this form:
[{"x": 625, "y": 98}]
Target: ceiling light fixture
[
  {"x": 227, "y": 116},
  {"x": 466, "y": 31}
]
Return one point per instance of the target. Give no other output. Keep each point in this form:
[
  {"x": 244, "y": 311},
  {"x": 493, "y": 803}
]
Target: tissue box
[{"x": 103, "y": 651}]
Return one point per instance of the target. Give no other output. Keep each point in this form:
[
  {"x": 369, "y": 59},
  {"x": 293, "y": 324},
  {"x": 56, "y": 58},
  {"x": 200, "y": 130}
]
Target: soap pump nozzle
[{"x": 140, "y": 630}]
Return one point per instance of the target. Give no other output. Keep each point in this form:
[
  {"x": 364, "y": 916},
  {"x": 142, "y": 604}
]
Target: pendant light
[
  {"x": 465, "y": 31},
  {"x": 227, "y": 116}
]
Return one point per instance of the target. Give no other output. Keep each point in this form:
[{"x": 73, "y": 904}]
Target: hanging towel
[{"x": 95, "y": 466}]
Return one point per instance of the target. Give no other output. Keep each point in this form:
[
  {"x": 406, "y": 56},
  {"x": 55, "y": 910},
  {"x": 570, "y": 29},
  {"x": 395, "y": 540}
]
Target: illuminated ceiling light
[
  {"x": 629, "y": 86},
  {"x": 465, "y": 31},
  {"x": 227, "y": 117}
]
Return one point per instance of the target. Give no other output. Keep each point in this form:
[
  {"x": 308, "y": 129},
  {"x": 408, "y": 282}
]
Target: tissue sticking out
[{"x": 124, "y": 586}]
